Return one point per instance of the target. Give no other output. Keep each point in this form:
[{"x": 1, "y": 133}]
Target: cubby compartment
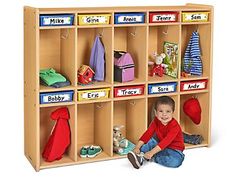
[
  {"x": 133, "y": 40},
  {"x": 46, "y": 128},
  {"x": 188, "y": 126},
  {"x": 85, "y": 41},
  {"x": 94, "y": 127},
  {"x": 132, "y": 114},
  {"x": 57, "y": 51},
  {"x": 204, "y": 31},
  {"x": 151, "y": 102},
  {"x": 160, "y": 35}
]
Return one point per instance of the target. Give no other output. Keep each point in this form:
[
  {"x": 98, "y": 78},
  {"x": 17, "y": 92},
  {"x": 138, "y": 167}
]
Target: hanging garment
[
  {"x": 97, "y": 59},
  {"x": 59, "y": 139},
  {"x": 192, "y": 56}
]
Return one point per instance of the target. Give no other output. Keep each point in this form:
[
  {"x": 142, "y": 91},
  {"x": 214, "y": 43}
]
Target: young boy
[{"x": 167, "y": 150}]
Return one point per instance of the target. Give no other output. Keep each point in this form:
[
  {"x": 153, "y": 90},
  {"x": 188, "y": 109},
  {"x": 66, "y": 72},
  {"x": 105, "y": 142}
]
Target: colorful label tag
[
  {"x": 195, "y": 17},
  {"x": 162, "y": 88},
  {"x": 93, "y": 95},
  {"x": 193, "y": 85},
  {"x": 93, "y": 19},
  {"x": 55, "y": 97},
  {"x": 164, "y": 18},
  {"x": 130, "y": 19},
  {"x": 56, "y": 21},
  {"x": 129, "y": 92}
]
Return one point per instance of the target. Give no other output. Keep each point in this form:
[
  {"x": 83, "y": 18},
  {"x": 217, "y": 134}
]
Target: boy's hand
[
  {"x": 148, "y": 155},
  {"x": 136, "y": 150}
]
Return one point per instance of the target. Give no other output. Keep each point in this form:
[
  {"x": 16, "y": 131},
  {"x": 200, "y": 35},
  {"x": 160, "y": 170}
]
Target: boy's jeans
[{"x": 167, "y": 157}]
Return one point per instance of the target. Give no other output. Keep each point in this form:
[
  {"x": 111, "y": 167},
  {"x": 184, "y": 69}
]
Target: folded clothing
[
  {"x": 50, "y": 77},
  {"x": 57, "y": 84},
  {"x": 192, "y": 139}
]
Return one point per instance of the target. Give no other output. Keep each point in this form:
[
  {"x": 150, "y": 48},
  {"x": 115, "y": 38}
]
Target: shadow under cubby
[
  {"x": 151, "y": 102},
  {"x": 57, "y": 51},
  {"x": 204, "y": 31},
  {"x": 158, "y": 35},
  {"x": 85, "y": 41},
  {"x": 132, "y": 115},
  {"x": 188, "y": 126},
  {"x": 133, "y": 40},
  {"x": 94, "y": 127},
  {"x": 46, "y": 128}
]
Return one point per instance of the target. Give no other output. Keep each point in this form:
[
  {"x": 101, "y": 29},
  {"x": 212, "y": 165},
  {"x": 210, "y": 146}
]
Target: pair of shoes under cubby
[{"x": 90, "y": 151}]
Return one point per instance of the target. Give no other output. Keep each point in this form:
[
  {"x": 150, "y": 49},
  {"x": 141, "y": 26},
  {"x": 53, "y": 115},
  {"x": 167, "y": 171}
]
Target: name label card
[
  {"x": 195, "y": 16},
  {"x": 129, "y": 91},
  {"x": 193, "y": 85},
  {"x": 162, "y": 88},
  {"x": 162, "y": 17}
]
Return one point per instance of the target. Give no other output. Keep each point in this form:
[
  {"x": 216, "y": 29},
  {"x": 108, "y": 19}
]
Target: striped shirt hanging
[{"x": 192, "y": 56}]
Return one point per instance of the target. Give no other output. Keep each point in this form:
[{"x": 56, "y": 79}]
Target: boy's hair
[{"x": 165, "y": 100}]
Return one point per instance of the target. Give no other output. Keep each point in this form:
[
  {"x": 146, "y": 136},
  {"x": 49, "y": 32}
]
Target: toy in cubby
[{"x": 158, "y": 66}]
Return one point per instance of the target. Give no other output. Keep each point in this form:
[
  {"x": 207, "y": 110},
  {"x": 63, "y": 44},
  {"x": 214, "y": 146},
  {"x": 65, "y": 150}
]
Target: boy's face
[{"x": 164, "y": 113}]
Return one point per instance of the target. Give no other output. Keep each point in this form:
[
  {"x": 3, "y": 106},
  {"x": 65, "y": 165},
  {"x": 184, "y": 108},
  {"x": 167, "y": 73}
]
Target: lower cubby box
[
  {"x": 46, "y": 129},
  {"x": 132, "y": 115},
  {"x": 195, "y": 117},
  {"x": 151, "y": 102},
  {"x": 94, "y": 127}
]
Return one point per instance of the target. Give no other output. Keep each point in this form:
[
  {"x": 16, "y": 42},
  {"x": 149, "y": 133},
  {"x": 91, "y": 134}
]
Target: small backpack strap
[{"x": 118, "y": 54}]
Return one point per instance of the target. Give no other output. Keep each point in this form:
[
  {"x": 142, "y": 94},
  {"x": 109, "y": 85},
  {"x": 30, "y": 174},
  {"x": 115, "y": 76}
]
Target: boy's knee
[{"x": 169, "y": 161}]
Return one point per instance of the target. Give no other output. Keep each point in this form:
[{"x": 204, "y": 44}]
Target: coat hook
[
  {"x": 99, "y": 105},
  {"x": 132, "y": 103},
  {"x": 196, "y": 29},
  {"x": 65, "y": 34},
  {"x": 134, "y": 33},
  {"x": 166, "y": 31},
  {"x": 101, "y": 34}
]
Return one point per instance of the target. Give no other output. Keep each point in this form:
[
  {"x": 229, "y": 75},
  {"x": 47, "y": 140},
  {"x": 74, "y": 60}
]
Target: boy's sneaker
[
  {"x": 135, "y": 159},
  {"x": 94, "y": 150},
  {"x": 84, "y": 151}
]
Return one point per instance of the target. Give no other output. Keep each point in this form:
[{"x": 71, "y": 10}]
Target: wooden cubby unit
[{"x": 66, "y": 48}]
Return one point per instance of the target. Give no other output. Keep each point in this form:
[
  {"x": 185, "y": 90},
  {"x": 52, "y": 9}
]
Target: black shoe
[{"x": 135, "y": 160}]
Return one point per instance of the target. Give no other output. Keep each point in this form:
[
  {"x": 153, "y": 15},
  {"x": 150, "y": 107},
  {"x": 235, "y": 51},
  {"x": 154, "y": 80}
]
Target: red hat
[{"x": 193, "y": 109}]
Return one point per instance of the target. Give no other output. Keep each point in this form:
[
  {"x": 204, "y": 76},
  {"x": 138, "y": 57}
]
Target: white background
[{"x": 219, "y": 159}]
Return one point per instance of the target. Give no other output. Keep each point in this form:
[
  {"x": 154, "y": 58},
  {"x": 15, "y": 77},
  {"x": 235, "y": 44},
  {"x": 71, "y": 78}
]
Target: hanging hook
[
  {"x": 196, "y": 29},
  {"x": 166, "y": 31},
  {"x": 65, "y": 34},
  {"x": 99, "y": 105},
  {"x": 134, "y": 33},
  {"x": 132, "y": 103},
  {"x": 101, "y": 34}
]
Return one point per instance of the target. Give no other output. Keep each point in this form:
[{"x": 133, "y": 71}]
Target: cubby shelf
[{"x": 66, "y": 48}]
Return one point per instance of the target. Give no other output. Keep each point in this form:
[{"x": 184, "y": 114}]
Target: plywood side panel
[{"x": 31, "y": 86}]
